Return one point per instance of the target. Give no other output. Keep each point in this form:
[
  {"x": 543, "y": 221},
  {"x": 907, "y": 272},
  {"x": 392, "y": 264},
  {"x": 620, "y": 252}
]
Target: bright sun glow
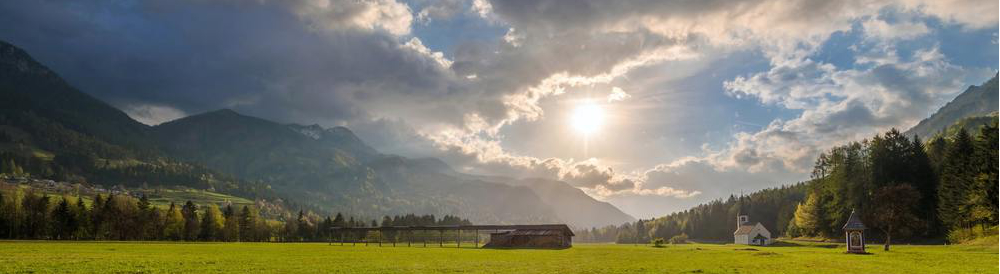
[{"x": 587, "y": 118}]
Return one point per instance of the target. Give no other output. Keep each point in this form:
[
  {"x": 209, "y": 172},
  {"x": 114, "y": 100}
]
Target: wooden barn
[{"x": 556, "y": 236}]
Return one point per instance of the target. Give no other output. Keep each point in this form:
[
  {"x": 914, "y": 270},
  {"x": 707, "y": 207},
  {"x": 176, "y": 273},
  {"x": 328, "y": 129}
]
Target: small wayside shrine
[{"x": 855, "y": 232}]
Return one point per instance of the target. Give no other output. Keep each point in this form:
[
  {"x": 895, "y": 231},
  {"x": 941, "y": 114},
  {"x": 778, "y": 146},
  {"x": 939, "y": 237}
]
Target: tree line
[
  {"x": 712, "y": 221},
  {"x": 901, "y": 187},
  {"x": 904, "y": 187},
  {"x": 25, "y": 214}
]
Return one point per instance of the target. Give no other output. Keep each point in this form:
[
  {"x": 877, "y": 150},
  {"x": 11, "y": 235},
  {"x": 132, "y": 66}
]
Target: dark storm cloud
[{"x": 262, "y": 57}]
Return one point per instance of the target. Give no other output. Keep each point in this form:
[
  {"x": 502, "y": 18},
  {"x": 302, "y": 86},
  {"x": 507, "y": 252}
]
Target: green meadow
[{"x": 173, "y": 257}]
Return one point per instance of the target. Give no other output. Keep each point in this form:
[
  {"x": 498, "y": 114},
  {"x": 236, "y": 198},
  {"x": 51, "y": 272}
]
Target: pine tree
[
  {"x": 956, "y": 182},
  {"x": 924, "y": 178},
  {"x": 247, "y": 221},
  {"x": 339, "y": 220},
  {"x": 83, "y": 217},
  {"x": 97, "y": 224},
  {"x": 144, "y": 220},
  {"x": 303, "y": 227},
  {"x": 982, "y": 201},
  {"x": 192, "y": 226},
  {"x": 65, "y": 222},
  {"x": 5, "y": 221},
  {"x": 231, "y": 230}
]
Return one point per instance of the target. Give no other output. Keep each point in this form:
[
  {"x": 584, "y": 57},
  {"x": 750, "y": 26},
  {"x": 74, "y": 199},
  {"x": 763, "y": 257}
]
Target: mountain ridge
[
  {"x": 323, "y": 168},
  {"x": 974, "y": 101}
]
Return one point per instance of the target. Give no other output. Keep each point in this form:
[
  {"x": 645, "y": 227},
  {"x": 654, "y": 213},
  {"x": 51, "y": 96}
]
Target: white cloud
[
  {"x": 440, "y": 9},
  {"x": 839, "y": 106},
  {"x": 971, "y": 14},
  {"x": 416, "y": 45},
  {"x": 153, "y": 114},
  {"x": 389, "y": 15},
  {"x": 617, "y": 94},
  {"x": 513, "y": 38},
  {"x": 484, "y": 9},
  {"x": 879, "y": 29}
]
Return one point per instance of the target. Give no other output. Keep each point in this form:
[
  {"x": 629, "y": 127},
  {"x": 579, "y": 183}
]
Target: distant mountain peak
[
  {"x": 16, "y": 58},
  {"x": 220, "y": 116}
]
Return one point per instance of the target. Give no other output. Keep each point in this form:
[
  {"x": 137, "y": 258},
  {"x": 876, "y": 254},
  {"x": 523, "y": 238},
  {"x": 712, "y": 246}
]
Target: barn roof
[
  {"x": 743, "y": 230},
  {"x": 854, "y": 222},
  {"x": 531, "y": 232}
]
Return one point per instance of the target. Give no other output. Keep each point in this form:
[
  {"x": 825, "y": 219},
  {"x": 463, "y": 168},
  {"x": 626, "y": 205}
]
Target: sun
[{"x": 587, "y": 118}]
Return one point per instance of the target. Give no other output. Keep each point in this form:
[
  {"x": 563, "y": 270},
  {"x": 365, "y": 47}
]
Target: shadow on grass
[{"x": 794, "y": 244}]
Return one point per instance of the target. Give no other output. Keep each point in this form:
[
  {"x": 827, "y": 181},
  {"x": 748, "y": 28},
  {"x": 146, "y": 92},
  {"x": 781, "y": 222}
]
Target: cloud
[
  {"x": 153, "y": 114},
  {"x": 484, "y": 9},
  {"x": 416, "y": 45},
  {"x": 442, "y": 9},
  {"x": 361, "y": 64},
  {"x": 617, "y": 94},
  {"x": 839, "y": 105},
  {"x": 388, "y": 15},
  {"x": 971, "y": 14},
  {"x": 879, "y": 29}
]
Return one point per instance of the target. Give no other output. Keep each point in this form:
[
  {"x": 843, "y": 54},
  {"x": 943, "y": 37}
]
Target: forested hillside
[{"x": 50, "y": 130}]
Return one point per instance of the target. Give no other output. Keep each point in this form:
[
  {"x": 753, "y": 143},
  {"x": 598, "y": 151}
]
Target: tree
[
  {"x": 83, "y": 219},
  {"x": 231, "y": 231},
  {"x": 894, "y": 209},
  {"x": 5, "y": 220},
  {"x": 323, "y": 230},
  {"x": 97, "y": 225},
  {"x": 808, "y": 216},
  {"x": 65, "y": 221},
  {"x": 212, "y": 223},
  {"x": 36, "y": 209},
  {"x": 982, "y": 201},
  {"x": 339, "y": 220},
  {"x": 144, "y": 220},
  {"x": 290, "y": 231},
  {"x": 174, "y": 223},
  {"x": 247, "y": 222},
  {"x": 304, "y": 230},
  {"x": 192, "y": 225},
  {"x": 956, "y": 182}
]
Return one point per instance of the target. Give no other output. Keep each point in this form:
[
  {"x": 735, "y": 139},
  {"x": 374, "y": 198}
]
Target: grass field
[{"x": 155, "y": 257}]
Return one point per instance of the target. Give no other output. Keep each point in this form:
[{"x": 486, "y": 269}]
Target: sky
[{"x": 695, "y": 100}]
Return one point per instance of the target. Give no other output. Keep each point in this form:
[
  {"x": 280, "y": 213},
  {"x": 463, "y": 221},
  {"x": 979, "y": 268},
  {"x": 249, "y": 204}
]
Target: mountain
[
  {"x": 574, "y": 206},
  {"x": 55, "y": 131},
  {"x": 570, "y": 204},
  {"x": 333, "y": 168},
  {"x": 28, "y": 88},
  {"x": 974, "y": 101},
  {"x": 62, "y": 133}
]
